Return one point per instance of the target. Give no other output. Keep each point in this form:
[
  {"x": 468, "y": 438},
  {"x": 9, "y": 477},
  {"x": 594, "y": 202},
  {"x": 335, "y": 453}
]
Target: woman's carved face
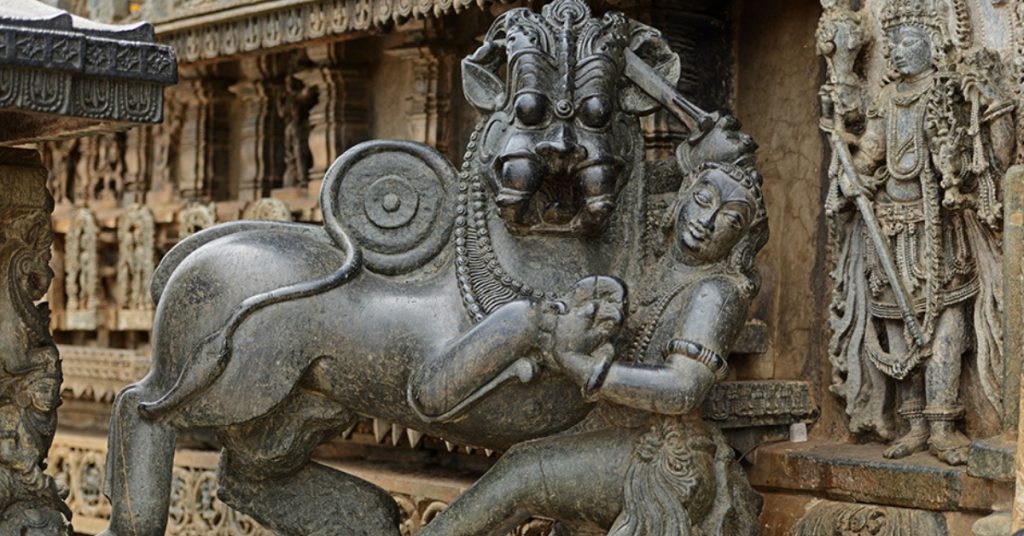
[
  {"x": 911, "y": 50},
  {"x": 715, "y": 213}
]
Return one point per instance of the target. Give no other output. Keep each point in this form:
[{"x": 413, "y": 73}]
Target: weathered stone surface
[
  {"x": 993, "y": 458},
  {"x": 828, "y": 518},
  {"x": 915, "y": 211},
  {"x": 860, "y": 473},
  {"x": 31, "y": 374}
]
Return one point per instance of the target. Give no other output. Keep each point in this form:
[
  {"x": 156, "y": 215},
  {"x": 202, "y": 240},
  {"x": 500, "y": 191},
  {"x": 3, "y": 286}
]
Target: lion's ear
[
  {"x": 650, "y": 46},
  {"x": 481, "y": 84}
]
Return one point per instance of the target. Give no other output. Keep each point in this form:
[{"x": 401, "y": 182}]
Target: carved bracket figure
[{"x": 485, "y": 305}]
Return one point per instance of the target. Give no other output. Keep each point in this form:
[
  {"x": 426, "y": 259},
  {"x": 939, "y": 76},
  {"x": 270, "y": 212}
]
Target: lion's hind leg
[
  {"x": 266, "y": 473},
  {"x": 139, "y": 464},
  {"x": 315, "y": 500}
]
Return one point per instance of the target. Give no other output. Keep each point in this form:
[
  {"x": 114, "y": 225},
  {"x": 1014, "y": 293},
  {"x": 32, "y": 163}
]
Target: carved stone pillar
[
  {"x": 339, "y": 117},
  {"x": 257, "y": 162},
  {"x": 428, "y": 107},
  {"x": 31, "y": 372},
  {"x": 202, "y": 134}
]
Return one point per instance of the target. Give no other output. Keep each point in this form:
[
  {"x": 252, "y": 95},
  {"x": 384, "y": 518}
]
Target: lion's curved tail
[{"x": 210, "y": 357}]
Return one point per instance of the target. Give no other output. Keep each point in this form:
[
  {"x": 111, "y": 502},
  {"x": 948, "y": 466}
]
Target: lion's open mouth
[{"x": 560, "y": 196}]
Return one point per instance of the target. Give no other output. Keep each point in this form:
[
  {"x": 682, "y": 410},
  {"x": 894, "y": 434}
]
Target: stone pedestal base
[{"x": 838, "y": 481}]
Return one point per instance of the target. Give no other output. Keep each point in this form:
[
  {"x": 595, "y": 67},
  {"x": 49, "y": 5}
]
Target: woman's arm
[{"x": 705, "y": 329}]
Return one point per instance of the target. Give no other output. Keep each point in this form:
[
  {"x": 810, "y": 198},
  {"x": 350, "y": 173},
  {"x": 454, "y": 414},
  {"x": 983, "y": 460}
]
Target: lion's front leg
[
  {"x": 513, "y": 343},
  {"x": 503, "y": 346}
]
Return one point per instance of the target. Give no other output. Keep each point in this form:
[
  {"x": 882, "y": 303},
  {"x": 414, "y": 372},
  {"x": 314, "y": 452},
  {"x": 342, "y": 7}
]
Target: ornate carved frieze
[
  {"x": 77, "y": 462},
  {"x": 30, "y": 374},
  {"x": 51, "y": 63},
  {"x": 97, "y": 374},
  {"x": 741, "y": 404},
  {"x": 248, "y": 27},
  {"x": 136, "y": 257},
  {"x": 81, "y": 272}
]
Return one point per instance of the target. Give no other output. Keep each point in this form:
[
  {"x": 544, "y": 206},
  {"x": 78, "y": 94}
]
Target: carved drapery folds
[
  {"x": 135, "y": 262},
  {"x": 30, "y": 375}
]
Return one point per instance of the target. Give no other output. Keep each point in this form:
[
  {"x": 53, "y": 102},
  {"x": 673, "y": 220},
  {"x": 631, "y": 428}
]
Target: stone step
[{"x": 859, "y": 473}]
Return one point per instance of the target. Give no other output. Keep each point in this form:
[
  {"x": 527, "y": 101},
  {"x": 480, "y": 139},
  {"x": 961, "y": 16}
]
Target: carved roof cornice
[
  {"x": 55, "y": 63},
  {"x": 215, "y": 29}
]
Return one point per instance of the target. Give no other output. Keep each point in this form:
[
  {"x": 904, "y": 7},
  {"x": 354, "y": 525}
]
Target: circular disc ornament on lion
[{"x": 393, "y": 198}]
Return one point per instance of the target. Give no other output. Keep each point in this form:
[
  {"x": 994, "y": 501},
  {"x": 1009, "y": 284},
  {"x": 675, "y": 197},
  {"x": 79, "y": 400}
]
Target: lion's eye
[
  {"x": 531, "y": 108},
  {"x": 596, "y": 111}
]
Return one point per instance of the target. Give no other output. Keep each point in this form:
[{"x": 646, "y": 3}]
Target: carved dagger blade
[{"x": 646, "y": 78}]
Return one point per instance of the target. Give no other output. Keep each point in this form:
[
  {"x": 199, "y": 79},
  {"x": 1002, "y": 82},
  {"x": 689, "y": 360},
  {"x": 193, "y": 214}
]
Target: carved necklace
[
  {"x": 484, "y": 282},
  {"x": 896, "y": 148},
  {"x": 643, "y": 337}
]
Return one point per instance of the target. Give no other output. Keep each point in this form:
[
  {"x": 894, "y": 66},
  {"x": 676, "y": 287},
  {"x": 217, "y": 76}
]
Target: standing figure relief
[{"x": 915, "y": 223}]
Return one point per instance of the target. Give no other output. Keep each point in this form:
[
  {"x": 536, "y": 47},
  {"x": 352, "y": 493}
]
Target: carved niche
[
  {"x": 136, "y": 256},
  {"x": 920, "y": 123},
  {"x": 81, "y": 272}
]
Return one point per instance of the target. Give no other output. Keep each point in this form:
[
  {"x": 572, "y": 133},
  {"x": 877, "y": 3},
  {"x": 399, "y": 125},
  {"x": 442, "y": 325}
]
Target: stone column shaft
[
  {"x": 339, "y": 118},
  {"x": 31, "y": 374}
]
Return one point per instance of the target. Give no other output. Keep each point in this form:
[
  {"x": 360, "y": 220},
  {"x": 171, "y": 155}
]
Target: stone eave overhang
[
  {"x": 63, "y": 76},
  {"x": 239, "y": 27}
]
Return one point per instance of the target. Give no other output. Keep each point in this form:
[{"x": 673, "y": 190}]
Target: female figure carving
[{"x": 644, "y": 462}]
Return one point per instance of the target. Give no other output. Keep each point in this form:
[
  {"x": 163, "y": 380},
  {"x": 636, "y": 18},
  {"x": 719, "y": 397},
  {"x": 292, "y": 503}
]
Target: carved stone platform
[{"x": 859, "y": 473}]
